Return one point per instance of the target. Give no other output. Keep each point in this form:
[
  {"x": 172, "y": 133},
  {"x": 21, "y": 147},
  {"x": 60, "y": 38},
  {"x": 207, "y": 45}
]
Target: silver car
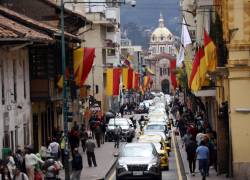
[{"x": 138, "y": 160}]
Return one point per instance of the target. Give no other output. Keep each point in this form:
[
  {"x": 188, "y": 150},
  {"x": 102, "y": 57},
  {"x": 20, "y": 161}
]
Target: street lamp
[{"x": 63, "y": 56}]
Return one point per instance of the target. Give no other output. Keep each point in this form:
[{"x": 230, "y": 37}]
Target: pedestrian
[
  {"x": 62, "y": 147},
  {"x": 117, "y": 135},
  {"x": 191, "y": 147},
  {"x": 31, "y": 160},
  {"x": 98, "y": 135},
  {"x": 19, "y": 175},
  {"x": 11, "y": 164},
  {"x": 19, "y": 160},
  {"x": 5, "y": 174},
  {"x": 84, "y": 138},
  {"x": 202, "y": 154},
  {"x": 90, "y": 151},
  {"x": 103, "y": 130},
  {"x": 186, "y": 138},
  {"x": 54, "y": 149},
  {"x": 76, "y": 165}
]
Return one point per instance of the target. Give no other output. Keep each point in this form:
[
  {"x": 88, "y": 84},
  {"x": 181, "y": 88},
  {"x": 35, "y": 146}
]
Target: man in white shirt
[{"x": 54, "y": 148}]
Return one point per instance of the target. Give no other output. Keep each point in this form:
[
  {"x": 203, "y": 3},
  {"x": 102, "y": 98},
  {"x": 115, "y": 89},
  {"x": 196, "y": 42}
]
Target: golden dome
[{"x": 161, "y": 33}]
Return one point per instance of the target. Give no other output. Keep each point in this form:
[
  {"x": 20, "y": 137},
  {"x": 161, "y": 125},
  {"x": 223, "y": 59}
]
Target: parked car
[
  {"x": 128, "y": 131},
  {"x": 138, "y": 160}
]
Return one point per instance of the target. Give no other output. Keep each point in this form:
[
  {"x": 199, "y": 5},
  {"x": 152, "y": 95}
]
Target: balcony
[{"x": 112, "y": 14}]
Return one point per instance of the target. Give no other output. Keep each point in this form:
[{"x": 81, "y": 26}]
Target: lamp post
[{"x": 63, "y": 59}]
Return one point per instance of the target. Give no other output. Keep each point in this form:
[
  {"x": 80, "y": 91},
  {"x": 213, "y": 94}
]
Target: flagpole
[{"x": 64, "y": 93}]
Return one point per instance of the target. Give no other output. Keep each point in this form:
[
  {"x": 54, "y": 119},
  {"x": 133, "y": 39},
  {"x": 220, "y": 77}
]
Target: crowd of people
[{"x": 199, "y": 140}]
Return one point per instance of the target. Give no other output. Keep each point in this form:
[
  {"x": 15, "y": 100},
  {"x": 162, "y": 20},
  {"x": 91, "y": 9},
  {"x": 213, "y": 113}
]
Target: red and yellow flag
[
  {"x": 172, "y": 73},
  {"x": 202, "y": 67},
  {"x": 210, "y": 52},
  {"x": 136, "y": 80},
  {"x": 112, "y": 81},
  {"x": 127, "y": 78},
  {"x": 83, "y": 59},
  {"x": 194, "y": 80}
]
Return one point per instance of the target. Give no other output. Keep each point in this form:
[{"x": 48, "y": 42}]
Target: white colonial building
[{"x": 161, "y": 51}]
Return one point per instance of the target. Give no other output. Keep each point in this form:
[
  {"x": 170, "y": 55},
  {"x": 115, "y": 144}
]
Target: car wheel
[
  {"x": 159, "y": 177},
  {"x": 167, "y": 168}
]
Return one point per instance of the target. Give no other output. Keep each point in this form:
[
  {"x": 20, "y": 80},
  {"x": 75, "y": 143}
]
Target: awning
[{"x": 205, "y": 93}]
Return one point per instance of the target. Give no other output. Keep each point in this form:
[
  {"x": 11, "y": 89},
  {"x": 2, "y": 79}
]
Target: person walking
[
  {"x": 11, "y": 164},
  {"x": 54, "y": 148},
  {"x": 191, "y": 147},
  {"x": 98, "y": 134},
  {"x": 117, "y": 134},
  {"x": 76, "y": 165},
  {"x": 84, "y": 138},
  {"x": 30, "y": 161},
  {"x": 202, "y": 154},
  {"x": 90, "y": 151},
  {"x": 19, "y": 175}
]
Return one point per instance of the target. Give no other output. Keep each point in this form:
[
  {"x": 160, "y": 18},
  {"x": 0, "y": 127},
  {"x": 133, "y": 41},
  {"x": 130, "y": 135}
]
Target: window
[
  {"x": 26, "y": 134},
  {"x": 2, "y": 81},
  {"x": 162, "y": 38},
  {"x": 160, "y": 71},
  {"x": 153, "y": 38},
  {"x": 14, "y": 80},
  {"x": 110, "y": 52},
  {"x": 24, "y": 80}
]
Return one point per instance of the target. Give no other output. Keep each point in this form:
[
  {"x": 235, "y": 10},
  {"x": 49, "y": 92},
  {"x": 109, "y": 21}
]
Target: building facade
[{"x": 161, "y": 51}]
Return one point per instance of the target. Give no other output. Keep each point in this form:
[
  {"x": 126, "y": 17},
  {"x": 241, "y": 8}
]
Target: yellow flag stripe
[
  {"x": 125, "y": 77},
  {"x": 109, "y": 82}
]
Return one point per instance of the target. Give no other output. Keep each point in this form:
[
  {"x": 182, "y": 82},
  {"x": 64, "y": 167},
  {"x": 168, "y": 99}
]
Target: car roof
[
  {"x": 150, "y": 138},
  {"x": 161, "y": 133},
  {"x": 138, "y": 144}
]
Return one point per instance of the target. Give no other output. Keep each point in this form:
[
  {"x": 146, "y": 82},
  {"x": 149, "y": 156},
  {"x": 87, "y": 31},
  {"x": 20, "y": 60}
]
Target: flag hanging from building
[
  {"x": 112, "y": 81},
  {"x": 172, "y": 73},
  {"x": 136, "y": 80},
  {"x": 146, "y": 80},
  {"x": 127, "y": 78},
  {"x": 87, "y": 59},
  {"x": 60, "y": 81},
  {"x": 185, "y": 41},
  {"x": 194, "y": 80},
  {"x": 202, "y": 67},
  {"x": 210, "y": 52},
  {"x": 83, "y": 59}
]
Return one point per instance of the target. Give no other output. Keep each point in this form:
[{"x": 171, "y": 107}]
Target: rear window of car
[{"x": 137, "y": 151}]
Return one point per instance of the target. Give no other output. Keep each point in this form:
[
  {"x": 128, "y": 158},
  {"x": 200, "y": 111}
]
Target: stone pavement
[
  {"x": 212, "y": 173},
  {"x": 104, "y": 159}
]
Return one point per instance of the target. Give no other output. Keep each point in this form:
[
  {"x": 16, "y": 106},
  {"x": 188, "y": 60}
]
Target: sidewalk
[
  {"x": 104, "y": 159},
  {"x": 212, "y": 172}
]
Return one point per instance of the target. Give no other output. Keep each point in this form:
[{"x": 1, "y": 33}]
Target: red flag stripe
[
  {"x": 88, "y": 59},
  {"x": 130, "y": 78},
  {"x": 116, "y": 81}
]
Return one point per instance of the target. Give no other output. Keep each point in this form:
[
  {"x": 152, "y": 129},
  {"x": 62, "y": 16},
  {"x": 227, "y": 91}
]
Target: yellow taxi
[{"x": 160, "y": 146}]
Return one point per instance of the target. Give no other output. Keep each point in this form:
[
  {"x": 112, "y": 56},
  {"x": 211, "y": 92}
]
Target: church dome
[{"x": 161, "y": 33}]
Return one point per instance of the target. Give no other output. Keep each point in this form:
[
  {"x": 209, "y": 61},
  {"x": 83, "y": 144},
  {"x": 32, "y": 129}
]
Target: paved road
[{"x": 172, "y": 174}]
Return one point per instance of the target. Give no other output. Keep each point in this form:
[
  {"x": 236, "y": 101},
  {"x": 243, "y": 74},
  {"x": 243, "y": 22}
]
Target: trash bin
[{"x": 5, "y": 152}]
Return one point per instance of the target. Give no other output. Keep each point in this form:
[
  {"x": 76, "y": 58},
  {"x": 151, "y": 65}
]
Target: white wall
[{"x": 16, "y": 117}]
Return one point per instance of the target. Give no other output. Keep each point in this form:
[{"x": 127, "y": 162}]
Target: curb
[
  {"x": 182, "y": 168},
  {"x": 109, "y": 171}
]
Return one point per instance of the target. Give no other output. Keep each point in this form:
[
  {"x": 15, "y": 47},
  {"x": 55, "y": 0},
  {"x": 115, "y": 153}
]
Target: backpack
[{"x": 14, "y": 178}]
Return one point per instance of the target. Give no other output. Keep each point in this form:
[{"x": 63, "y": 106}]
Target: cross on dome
[{"x": 161, "y": 20}]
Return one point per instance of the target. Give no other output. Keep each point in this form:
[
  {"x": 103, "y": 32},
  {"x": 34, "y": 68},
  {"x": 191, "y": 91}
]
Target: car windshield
[
  {"x": 156, "y": 132},
  {"x": 137, "y": 151},
  {"x": 155, "y": 127},
  {"x": 113, "y": 122}
]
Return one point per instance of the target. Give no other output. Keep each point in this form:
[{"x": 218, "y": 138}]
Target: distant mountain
[{"x": 139, "y": 21}]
